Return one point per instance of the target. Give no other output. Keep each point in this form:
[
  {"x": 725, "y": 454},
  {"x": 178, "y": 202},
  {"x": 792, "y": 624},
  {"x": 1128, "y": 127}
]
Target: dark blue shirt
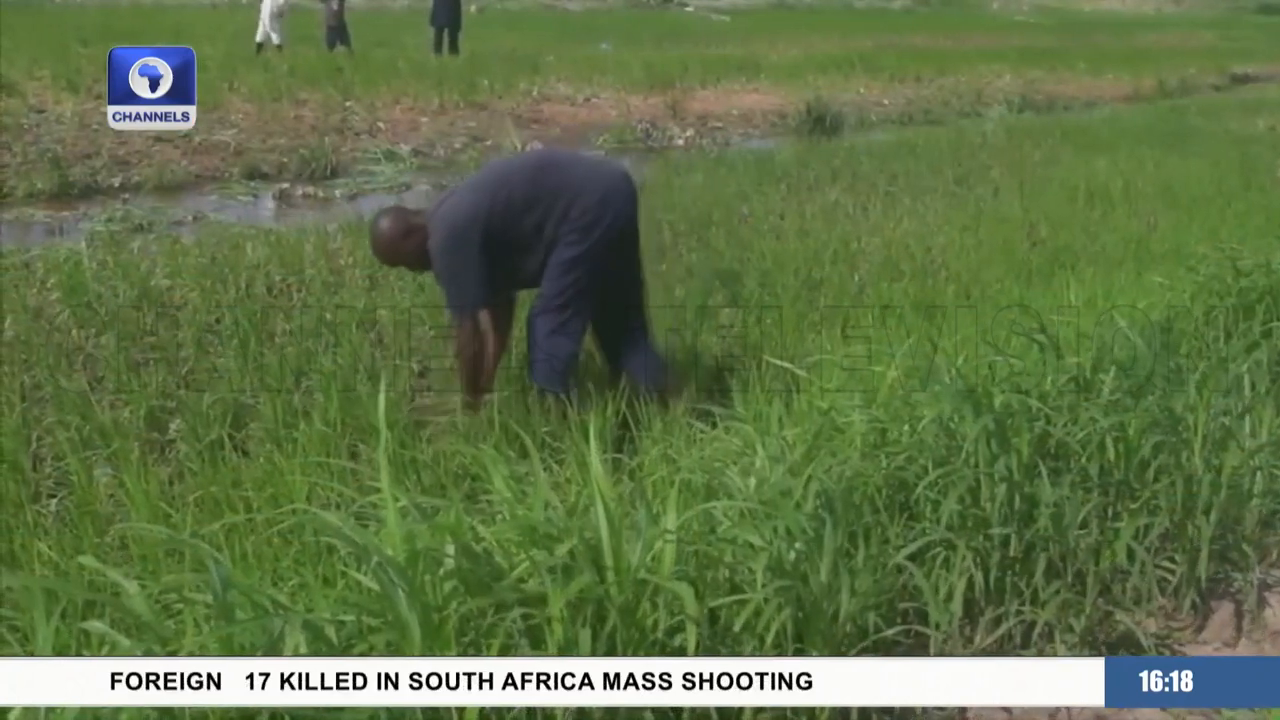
[{"x": 491, "y": 235}]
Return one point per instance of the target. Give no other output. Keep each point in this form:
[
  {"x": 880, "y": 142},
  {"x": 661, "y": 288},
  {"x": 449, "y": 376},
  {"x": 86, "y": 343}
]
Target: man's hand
[{"x": 481, "y": 342}]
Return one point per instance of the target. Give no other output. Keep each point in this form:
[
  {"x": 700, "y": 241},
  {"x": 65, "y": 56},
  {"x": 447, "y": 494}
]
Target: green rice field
[{"x": 981, "y": 349}]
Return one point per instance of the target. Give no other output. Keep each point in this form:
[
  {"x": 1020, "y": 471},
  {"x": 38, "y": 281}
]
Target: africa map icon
[{"x": 150, "y": 78}]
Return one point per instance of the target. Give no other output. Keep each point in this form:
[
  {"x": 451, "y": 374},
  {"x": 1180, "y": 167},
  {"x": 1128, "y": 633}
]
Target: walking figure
[
  {"x": 446, "y": 21},
  {"x": 270, "y": 19},
  {"x": 335, "y": 25}
]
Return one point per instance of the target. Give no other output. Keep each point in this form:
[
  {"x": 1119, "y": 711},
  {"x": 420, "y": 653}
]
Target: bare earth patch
[
  {"x": 312, "y": 138},
  {"x": 62, "y": 148},
  {"x": 1228, "y": 630},
  {"x": 745, "y": 107}
]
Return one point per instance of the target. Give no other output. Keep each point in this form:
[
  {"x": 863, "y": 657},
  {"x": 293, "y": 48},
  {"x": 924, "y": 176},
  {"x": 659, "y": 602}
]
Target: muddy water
[
  {"x": 37, "y": 225},
  {"x": 281, "y": 205}
]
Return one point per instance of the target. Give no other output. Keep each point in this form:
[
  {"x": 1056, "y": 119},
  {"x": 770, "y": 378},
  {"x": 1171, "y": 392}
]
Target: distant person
[
  {"x": 446, "y": 20},
  {"x": 556, "y": 220},
  {"x": 335, "y": 25},
  {"x": 270, "y": 20}
]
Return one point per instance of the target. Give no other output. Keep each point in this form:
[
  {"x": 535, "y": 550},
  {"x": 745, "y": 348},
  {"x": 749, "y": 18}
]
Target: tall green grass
[{"x": 1003, "y": 387}]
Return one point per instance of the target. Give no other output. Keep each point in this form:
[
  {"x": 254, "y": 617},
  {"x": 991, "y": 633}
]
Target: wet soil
[
  {"x": 59, "y": 146},
  {"x": 260, "y": 205},
  {"x": 180, "y": 212},
  {"x": 338, "y": 179}
]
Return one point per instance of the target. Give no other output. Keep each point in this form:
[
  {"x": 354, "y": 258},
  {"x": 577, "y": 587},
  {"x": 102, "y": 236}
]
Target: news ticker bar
[{"x": 566, "y": 682}]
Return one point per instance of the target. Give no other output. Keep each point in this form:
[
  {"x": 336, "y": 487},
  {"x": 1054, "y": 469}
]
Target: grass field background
[
  {"x": 307, "y": 115},
  {"x": 1001, "y": 385},
  {"x": 515, "y": 53}
]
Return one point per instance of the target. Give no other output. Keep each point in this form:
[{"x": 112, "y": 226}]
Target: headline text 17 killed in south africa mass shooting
[{"x": 771, "y": 681}]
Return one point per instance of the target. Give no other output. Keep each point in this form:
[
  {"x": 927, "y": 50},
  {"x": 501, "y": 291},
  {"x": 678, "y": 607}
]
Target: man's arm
[
  {"x": 473, "y": 337},
  {"x": 501, "y": 316},
  {"x": 482, "y": 340},
  {"x": 481, "y": 325}
]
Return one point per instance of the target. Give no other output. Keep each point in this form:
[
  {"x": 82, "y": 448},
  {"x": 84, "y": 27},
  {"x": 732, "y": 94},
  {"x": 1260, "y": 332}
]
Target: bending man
[{"x": 556, "y": 220}]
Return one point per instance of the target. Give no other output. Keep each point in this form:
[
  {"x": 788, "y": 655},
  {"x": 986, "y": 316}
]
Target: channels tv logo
[{"x": 151, "y": 88}]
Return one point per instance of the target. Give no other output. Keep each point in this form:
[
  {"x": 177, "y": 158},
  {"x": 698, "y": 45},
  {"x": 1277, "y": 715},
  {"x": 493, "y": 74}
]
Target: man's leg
[
  {"x": 558, "y": 319},
  {"x": 261, "y": 36},
  {"x": 345, "y": 37},
  {"x": 619, "y": 320},
  {"x": 454, "y": 32},
  {"x": 277, "y": 35},
  {"x": 331, "y": 38},
  {"x": 437, "y": 40}
]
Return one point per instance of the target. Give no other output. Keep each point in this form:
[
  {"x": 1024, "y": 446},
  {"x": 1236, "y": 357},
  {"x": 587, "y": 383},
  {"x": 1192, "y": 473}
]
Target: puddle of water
[
  {"x": 759, "y": 143},
  {"x": 16, "y": 232},
  {"x": 272, "y": 210},
  {"x": 279, "y": 206},
  {"x": 180, "y": 212}
]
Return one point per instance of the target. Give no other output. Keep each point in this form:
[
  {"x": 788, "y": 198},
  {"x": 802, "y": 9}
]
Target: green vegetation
[
  {"x": 519, "y": 52},
  {"x": 310, "y": 116},
  {"x": 1001, "y": 385}
]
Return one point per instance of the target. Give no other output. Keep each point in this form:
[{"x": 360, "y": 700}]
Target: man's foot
[
  {"x": 279, "y": 48},
  {"x": 257, "y": 48}
]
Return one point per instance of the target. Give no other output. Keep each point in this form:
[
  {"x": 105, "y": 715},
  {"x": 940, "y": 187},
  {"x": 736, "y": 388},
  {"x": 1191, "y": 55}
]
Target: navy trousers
[
  {"x": 438, "y": 36},
  {"x": 594, "y": 278},
  {"x": 335, "y": 35}
]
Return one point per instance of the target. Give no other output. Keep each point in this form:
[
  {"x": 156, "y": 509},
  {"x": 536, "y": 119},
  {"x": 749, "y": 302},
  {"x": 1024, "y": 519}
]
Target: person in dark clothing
[
  {"x": 335, "y": 25},
  {"x": 446, "y": 20},
  {"x": 556, "y": 220}
]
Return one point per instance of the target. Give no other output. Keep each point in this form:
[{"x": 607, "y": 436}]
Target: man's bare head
[{"x": 398, "y": 238}]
